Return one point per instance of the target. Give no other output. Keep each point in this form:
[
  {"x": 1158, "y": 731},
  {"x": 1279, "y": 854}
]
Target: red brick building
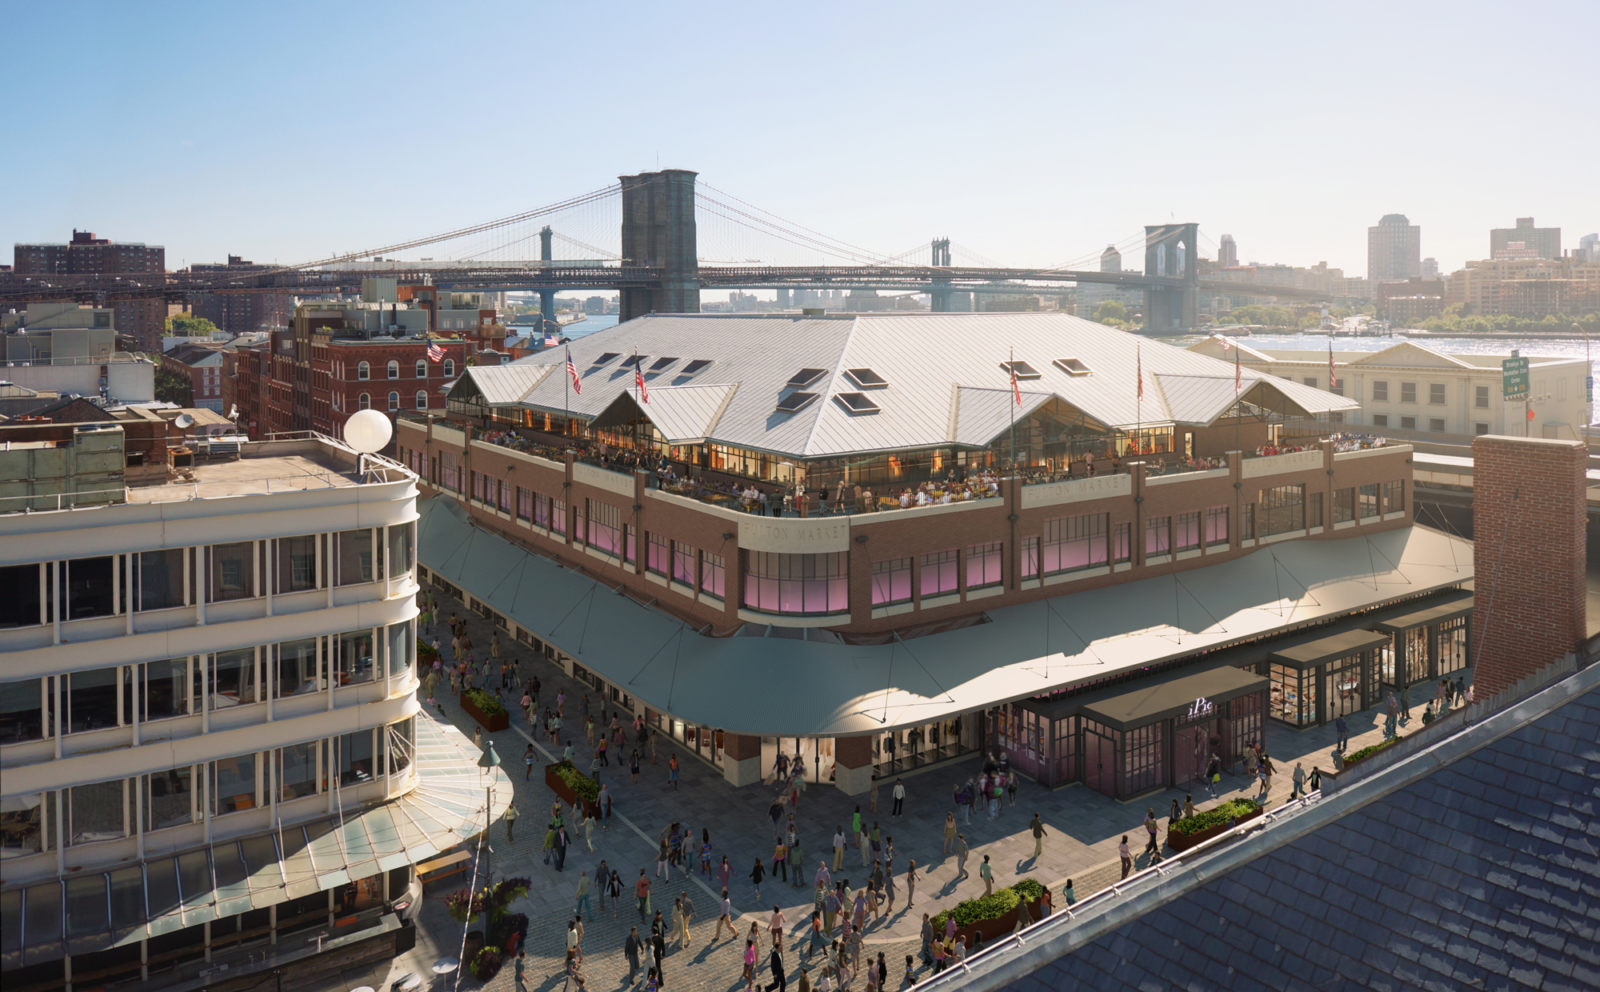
[
  {"x": 240, "y": 313},
  {"x": 141, "y": 320},
  {"x": 201, "y": 364}
]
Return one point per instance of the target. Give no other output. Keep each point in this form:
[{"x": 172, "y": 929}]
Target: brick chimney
[{"x": 1529, "y": 511}]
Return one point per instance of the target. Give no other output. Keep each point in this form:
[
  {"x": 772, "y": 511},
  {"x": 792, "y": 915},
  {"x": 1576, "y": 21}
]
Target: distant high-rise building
[
  {"x": 240, "y": 313},
  {"x": 1430, "y": 268},
  {"x": 1111, "y": 259},
  {"x": 1589, "y": 248},
  {"x": 1394, "y": 250},
  {"x": 1227, "y": 252},
  {"x": 141, "y": 319},
  {"x": 1525, "y": 241}
]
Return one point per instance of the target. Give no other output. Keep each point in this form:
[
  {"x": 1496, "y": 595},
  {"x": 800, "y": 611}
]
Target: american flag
[
  {"x": 572, "y": 373},
  {"x": 638, "y": 380},
  {"x": 550, "y": 340},
  {"x": 1333, "y": 377},
  {"x": 1138, "y": 368},
  {"x": 1011, "y": 366},
  {"x": 435, "y": 353}
]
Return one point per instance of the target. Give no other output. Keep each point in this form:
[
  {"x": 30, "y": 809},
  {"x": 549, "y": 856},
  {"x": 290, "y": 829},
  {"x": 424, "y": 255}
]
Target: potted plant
[
  {"x": 1369, "y": 751},
  {"x": 425, "y": 652},
  {"x": 485, "y": 709},
  {"x": 571, "y": 785},
  {"x": 1206, "y": 824},
  {"x": 985, "y": 918}
]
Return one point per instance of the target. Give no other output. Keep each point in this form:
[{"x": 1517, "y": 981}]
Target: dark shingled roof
[{"x": 1483, "y": 874}]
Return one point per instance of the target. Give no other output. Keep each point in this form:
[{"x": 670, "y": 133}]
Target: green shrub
[
  {"x": 485, "y": 702},
  {"x": 586, "y": 788},
  {"x": 1368, "y": 752},
  {"x": 990, "y": 907},
  {"x": 425, "y": 651},
  {"x": 1233, "y": 809}
]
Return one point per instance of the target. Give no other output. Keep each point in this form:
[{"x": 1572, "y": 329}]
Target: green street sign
[{"x": 1514, "y": 377}]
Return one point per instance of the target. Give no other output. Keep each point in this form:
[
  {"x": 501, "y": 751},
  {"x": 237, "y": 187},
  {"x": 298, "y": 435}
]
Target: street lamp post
[{"x": 487, "y": 763}]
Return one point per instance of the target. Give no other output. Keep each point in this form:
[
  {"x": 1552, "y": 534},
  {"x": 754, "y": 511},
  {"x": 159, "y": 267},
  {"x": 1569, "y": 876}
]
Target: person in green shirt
[{"x": 511, "y": 821}]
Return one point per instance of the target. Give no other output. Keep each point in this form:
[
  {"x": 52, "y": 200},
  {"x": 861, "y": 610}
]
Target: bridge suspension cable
[
  {"x": 808, "y": 237},
  {"x": 770, "y": 229},
  {"x": 577, "y": 201}
]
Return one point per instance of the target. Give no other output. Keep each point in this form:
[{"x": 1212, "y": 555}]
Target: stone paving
[{"x": 1084, "y": 828}]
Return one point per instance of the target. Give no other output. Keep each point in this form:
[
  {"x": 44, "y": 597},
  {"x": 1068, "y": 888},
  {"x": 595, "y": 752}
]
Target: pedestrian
[
  {"x": 652, "y": 981},
  {"x": 816, "y": 933},
  {"x": 562, "y": 843},
  {"x": 961, "y": 855},
  {"x": 1150, "y": 827},
  {"x": 987, "y": 874},
  {"x": 521, "y": 981},
  {"x": 909, "y": 980},
  {"x": 614, "y": 890},
  {"x": 1188, "y": 806},
  {"x": 780, "y": 864},
  {"x": 724, "y": 872},
  {"x": 756, "y": 875},
  {"x": 855, "y": 822},
  {"x": 572, "y": 941},
  {"x": 1405, "y": 705},
  {"x": 1267, "y": 770},
  {"x": 872, "y": 798},
  {"x": 797, "y": 860},
  {"x": 776, "y": 925},
  {"x": 1314, "y": 783},
  {"x": 641, "y": 894},
  {"x": 582, "y": 905},
  {"x": 927, "y": 939},
  {"x": 724, "y": 915},
  {"x": 1299, "y": 777},
  {"x": 685, "y": 915},
  {"x": 1213, "y": 774},
  {"x": 1393, "y": 707},
  {"x": 1343, "y": 730},
  {"x": 672, "y": 771},
  {"x": 633, "y": 765},
  {"x": 588, "y": 831},
  {"x": 775, "y": 962},
  {"x": 1427, "y": 714},
  {"x": 604, "y": 802},
  {"x": 528, "y": 760},
  {"x": 838, "y": 848},
  {"x": 749, "y": 965},
  {"x": 865, "y": 843},
  {"x": 510, "y": 816},
  {"x": 899, "y": 795},
  {"x": 631, "y": 947},
  {"x": 1067, "y": 895},
  {"x": 949, "y": 832},
  {"x": 911, "y": 883},
  {"x": 658, "y": 944},
  {"x": 1126, "y": 854},
  {"x": 1037, "y": 829},
  {"x": 1013, "y": 782}
]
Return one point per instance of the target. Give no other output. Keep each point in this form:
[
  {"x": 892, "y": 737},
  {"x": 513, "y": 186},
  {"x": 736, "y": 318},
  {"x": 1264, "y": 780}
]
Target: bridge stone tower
[
  {"x": 658, "y": 231},
  {"x": 547, "y": 297},
  {"x": 940, "y": 289},
  {"x": 1170, "y": 252}
]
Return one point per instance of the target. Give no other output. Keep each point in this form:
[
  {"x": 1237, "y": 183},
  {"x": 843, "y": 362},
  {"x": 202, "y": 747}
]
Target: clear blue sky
[{"x": 1031, "y": 133}]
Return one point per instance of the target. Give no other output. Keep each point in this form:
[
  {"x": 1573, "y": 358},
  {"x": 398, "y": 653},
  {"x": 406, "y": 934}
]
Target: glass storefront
[
  {"x": 1293, "y": 694},
  {"x": 898, "y": 751}
]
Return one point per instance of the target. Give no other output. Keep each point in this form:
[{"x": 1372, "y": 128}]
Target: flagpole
[
  {"x": 1012, "y": 368},
  {"x": 1138, "y": 376}
]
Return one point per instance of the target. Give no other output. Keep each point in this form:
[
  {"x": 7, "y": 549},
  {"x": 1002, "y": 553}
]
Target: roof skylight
[
  {"x": 866, "y": 378},
  {"x": 1072, "y": 366},
  {"x": 805, "y": 377},
  {"x": 795, "y": 402},
  {"x": 608, "y": 356},
  {"x": 857, "y": 402},
  {"x": 662, "y": 363},
  {"x": 1023, "y": 369},
  {"x": 695, "y": 366}
]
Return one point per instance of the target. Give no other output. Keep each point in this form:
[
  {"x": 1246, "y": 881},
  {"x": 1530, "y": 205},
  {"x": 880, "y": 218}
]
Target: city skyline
[{"x": 1295, "y": 166}]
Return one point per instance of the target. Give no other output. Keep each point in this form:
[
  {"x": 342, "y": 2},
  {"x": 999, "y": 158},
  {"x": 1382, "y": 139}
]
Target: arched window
[
  {"x": 394, "y": 369},
  {"x": 422, "y": 368},
  {"x": 394, "y": 402},
  {"x": 363, "y": 372},
  {"x": 422, "y": 399},
  {"x": 449, "y": 367},
  {"x": 363, "y": 402}
]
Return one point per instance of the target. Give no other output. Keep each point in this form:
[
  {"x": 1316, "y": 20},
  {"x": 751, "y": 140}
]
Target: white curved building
[{"x": 209, "y": 725}]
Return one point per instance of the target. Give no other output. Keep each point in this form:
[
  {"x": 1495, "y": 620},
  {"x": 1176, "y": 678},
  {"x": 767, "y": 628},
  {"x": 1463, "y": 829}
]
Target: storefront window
[
  {"x": 1143, "y": 763},
  {"x": 1030, "y": 557},
  {"x": 1344, "y": 505},
  {"x": 1122, "y": 543},
  {"x": 683, "y": 562},
  {"x": 1282, "y": 510},
  {"x": 1415, "y": 647},
  {"x": 1293, "y": 693},
  {"x": 1367, "y": 500},
  {"x": 1216, "y": 526},
  {"x": 658, "y": 553},
  {"x": 936, "y": 575},
  {"x": 1452, "y": 645},
  {"x": 1244, "y": 725},
  {"x": 1064, "y": 755},
  {"x": 891, "y": 582},
  {"x": 1071, "y": 544},
  {"x": 1186, "y": 531},
  {"x": 1099, "y": 757},
  {"x": 712, "y": 575},
  {"x": 1157, "y": 536},
  {"x": 984, "y": 565},
  {"x": 1394, "y": 496},
  {"x": 605, "y": 527},
  {"x": 1342, "y": 683},
  {"x": 798, "y": 584}
]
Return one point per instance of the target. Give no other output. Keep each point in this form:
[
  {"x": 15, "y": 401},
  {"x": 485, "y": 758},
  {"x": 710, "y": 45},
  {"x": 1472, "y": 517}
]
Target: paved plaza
[{"x": 1083, "y": 826}]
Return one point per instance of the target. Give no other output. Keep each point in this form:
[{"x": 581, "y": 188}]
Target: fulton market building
[{"x": 884, "y": 542}]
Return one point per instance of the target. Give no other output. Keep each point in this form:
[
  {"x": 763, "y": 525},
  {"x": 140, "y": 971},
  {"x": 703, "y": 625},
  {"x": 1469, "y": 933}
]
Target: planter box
[
  {"x": 1182, "y": 842},
  {"x": 566, "y": 793},
  {"x": 500, "y": 721},
  {"x": 992, "y": 930}
]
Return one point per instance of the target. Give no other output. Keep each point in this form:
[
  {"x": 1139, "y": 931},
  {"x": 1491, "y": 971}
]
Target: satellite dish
[
  {"x": 367, "y": 431},
  {"x": 184, "y": 421}
]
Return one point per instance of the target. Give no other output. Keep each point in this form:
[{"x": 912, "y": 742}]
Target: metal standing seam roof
[
  {"x": 683, "y": 414},
  {"x": 1149, "y": 703},
  {"x": 505, "y": 385},
  {"x": 920, "y": 357},
  {"x": 1021, "y": 651},
  {"x": 1308, "y": 654},
  {"x": 1433, "y": 614}
]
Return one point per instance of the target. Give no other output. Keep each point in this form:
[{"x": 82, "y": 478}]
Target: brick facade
[{"x": 1530, "y": 545}]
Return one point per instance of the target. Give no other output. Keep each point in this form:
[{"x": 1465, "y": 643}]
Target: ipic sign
[{"x": 1514, "y": 377}]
